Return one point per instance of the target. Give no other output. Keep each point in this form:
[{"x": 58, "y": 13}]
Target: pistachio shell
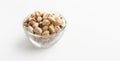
[{"x": 37, "y": 30}]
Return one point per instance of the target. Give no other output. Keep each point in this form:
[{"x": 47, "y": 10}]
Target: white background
[{"x": 92, "y": 33}]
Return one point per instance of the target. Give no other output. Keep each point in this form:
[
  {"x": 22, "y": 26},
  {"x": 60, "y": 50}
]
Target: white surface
[{"x": 92, "y": 33}]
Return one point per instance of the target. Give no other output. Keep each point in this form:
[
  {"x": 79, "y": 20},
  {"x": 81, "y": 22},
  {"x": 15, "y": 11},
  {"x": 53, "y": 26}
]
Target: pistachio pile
[{"x": 43, "y": 23}]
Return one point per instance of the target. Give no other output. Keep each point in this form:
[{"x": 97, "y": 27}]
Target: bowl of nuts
[{"x": 44, "y": 29}]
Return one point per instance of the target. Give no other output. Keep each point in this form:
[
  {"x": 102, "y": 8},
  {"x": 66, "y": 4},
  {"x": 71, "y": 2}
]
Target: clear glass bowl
[{"x": 44, "y": 41}]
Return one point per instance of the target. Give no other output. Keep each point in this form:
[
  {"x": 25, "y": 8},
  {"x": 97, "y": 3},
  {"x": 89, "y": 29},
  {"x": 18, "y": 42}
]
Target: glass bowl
[{"x": 44, "y": 41}]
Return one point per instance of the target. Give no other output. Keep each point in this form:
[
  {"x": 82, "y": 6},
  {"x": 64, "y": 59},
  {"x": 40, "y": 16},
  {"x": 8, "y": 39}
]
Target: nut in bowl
[{"x": 44, "y": 29}]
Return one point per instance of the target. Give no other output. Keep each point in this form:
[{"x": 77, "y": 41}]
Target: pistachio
[
  {"x": 39, "y": 18},
  {"x": 51, "y": 19},
  {"x": 45, "y": 28},
  {"x": 51, "y": 29},
  {"x": 58, "y": 21},
  {"x": 45, "y": 22},
  {"x": 31, "y": 22},
  {"x": 57, "y": 28},
  {"x": 35, "y": 25},
  {"x": 37, "y": 30},
  {"x": 30, "y": 29},
  {"x": 45, "y": 32}
]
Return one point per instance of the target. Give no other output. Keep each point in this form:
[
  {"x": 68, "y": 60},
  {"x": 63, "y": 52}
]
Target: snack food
[{"x": 44, "y": 24}]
